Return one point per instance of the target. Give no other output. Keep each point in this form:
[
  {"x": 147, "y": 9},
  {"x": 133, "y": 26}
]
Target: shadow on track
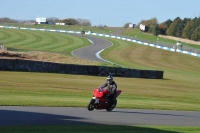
[
  {"x": 21, "y": 121},
  {"x": 163, "y": 114}
]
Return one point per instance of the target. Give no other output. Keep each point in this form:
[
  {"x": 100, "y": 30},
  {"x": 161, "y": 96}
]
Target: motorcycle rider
[{"x": 111, "y": 87}]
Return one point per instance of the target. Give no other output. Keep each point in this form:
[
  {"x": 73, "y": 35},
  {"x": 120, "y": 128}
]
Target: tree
[
  {"x": 168, "y": 23},
  {"x": 53, "y": 19},
  {"x": 196, "y": 34},
  {"x": 155, "y": 30},
  {"x": 162, "y": 27},
  {"x": 70, "y": 21},
  {"x": 126, "y": 25},
  {"x": 8, "y": 20},
  {"x": 84, "y": 22},
  {"x": 195, "y": 24},
  {"x": 180, "y": 27},
  {"x": 149, "y": 24},
  {"x": 79, "y": 21},
  {"x": 175, "y": 28},
  {"x": 187, "y": 30}
]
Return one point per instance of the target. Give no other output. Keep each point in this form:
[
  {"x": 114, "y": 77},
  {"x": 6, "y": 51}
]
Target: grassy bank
[
  {"x": 118, "y": 31},
  {"x": 99, "y": 129},
  {"x": 24, "y": 40},
  {"x": 48, "y": 89}
]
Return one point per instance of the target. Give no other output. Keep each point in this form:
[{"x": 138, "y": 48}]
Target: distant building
[
  {"x": 142, "y": 27},
  {"x": 41, "y": 20},
  {"x": 59, "y": 23},
  {"x": 132, "y": 25}
]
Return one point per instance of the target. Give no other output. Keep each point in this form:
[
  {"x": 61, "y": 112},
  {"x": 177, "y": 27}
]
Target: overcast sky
[{"x": 113, "y": 13}]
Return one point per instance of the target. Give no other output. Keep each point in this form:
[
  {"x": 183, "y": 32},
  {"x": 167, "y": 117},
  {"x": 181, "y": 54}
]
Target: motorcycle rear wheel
[
  {"x": 111, "y": 107},
  {"x": 91, "y": 105}
]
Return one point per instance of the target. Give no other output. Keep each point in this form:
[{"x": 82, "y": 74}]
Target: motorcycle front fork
[{"x": 96, "y": 100}]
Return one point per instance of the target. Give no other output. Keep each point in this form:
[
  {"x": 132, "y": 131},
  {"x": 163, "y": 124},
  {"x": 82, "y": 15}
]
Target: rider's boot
[{"x": 112, "y": 101}]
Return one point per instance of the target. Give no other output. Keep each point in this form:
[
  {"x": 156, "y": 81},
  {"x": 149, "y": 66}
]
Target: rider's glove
[{"x": 100, "y": 89}]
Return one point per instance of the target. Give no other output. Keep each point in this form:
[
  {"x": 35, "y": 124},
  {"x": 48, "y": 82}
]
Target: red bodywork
[{"x": 103, "y": 101}]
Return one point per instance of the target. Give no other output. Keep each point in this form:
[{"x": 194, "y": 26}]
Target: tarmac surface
[
  {"x": 20, "y": 115},
  {"x": 91, "y": 52}
]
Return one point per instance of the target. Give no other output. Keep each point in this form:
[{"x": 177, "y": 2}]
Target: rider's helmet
[{"x": 109, "y": 79}]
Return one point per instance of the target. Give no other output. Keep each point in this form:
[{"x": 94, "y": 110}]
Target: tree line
[
  {"x": 67, "y": 21},
  {"x": 184, "y": 28}
]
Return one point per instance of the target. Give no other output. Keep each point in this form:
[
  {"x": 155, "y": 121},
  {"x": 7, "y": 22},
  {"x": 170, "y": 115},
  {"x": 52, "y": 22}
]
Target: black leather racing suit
[{"x": 112, "y": 88}]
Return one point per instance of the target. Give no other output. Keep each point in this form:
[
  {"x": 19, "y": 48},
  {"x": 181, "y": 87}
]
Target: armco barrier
[{"x": 49, "y": 67}]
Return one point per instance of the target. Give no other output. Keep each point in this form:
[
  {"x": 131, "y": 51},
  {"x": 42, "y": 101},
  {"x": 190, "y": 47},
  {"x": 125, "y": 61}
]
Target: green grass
[
  {"x": 98, "y": 129},
  {"x": 24, "y": 40},
  {"x": 137, "y": 34},
  {"x": 139, "y": 56},
  {"x": 48, "y": 89},
  {"x": 181, "y": 74}
]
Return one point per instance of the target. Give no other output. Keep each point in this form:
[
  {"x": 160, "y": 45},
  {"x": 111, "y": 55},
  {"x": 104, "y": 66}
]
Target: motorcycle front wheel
[{"x": 91, "y": 105}]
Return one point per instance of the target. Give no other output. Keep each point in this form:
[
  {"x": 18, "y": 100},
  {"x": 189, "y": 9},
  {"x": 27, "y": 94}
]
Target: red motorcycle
[{"x": 100, "y": 101}]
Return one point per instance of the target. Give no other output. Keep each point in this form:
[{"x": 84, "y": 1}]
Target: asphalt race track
[
  {"x": 90, "y": 52},
  {"x": 21, "y": 115}
]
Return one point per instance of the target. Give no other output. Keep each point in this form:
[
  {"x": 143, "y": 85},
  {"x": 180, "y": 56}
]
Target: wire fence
[
  {"x": 166, "y": 44},
  {"x": 182, "y": 47}
]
